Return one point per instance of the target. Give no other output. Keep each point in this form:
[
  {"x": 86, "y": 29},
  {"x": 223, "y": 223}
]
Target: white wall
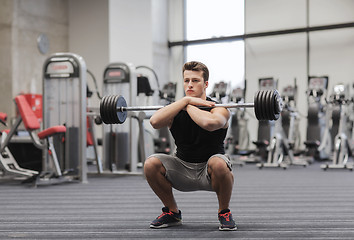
[
  {"x": 332, "y": 52},
  {"x": 284, "y": 57},
  {"x": 108, "y": 31},
  {"x": 21, "y": 63},
  {"x": 176, "y": 33},
  {"x": 270, "y": 15},
  {"x": 130, "y": 29},
  {"x": 88, "y": 35}
]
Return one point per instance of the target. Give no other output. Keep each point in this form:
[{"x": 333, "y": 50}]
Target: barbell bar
[{"x": 267, "y": 105}]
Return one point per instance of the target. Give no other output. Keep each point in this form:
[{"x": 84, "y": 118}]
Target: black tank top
[{"x": 195, "y": 144}]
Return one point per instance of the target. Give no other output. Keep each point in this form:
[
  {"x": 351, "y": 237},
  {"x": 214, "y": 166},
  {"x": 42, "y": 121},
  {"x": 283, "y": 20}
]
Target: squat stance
[{"x": 199, "y": 162}]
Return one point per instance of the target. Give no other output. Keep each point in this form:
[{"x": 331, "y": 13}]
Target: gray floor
[{"x": 297, "y": 203}]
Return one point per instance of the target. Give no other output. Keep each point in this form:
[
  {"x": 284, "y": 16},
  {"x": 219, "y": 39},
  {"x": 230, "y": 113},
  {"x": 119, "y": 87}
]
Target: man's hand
[
  {"x": 198, "y": 102},
  {"x": 215, "y": 119}
]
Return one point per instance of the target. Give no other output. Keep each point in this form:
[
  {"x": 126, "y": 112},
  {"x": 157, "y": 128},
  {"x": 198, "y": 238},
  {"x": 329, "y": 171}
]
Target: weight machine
[
  {"x": 8, "y": 164},
  {"x": 164, "y": 142},
  {"x": 237, "y": 138},
  {"x": 41, "y": 139},
  {"x": 316, "y": 119},
  {"x": 64, "y": 103},
  {"x": 342, "y": 148},
  {"x": 120, "y": 149},
  {"x": 282, "y": 142},
  {"x": 126, "y": 147},
  {"x": 238, "y": 134},
  {"x": 265, "y": 127},
  {"x": 290, "y": 117},
  {"x": 219, "y": 91}
]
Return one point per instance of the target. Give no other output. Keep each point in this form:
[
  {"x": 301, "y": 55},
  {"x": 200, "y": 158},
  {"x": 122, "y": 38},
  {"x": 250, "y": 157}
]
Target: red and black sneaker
[
  {"x": 167, "y": 219},
  {"x": 226, "y": 221}
]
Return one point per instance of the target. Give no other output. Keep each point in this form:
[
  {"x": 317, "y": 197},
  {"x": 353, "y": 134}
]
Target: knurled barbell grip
[{"x": 152, "y": 108}]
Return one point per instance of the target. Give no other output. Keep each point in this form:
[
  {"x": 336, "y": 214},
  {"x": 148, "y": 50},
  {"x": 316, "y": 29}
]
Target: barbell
[{"x": 267, "y": 105}]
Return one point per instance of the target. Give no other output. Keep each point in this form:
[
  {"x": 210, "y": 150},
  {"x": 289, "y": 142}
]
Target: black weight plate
[
  {"x": 276, "y": 98},
  {"x": 108, "y": 110},
  {"x": 117, "y": 118},
  {"x": 101, "y": 106},
  {"x": 260, "y": 110},
  {"x": 112, "y": 109},
  {"x": 103, "y": 112},
  {"x": 271, "y": 103},
  {"x": 263, "y": 103},
  {"x": 278, "y": 104},
  {"x": 269, "y": 107},
  {"x": 121, "y": 115},
  {"x": 112, "y": 105},
  {"x": 256, "y": 101}
]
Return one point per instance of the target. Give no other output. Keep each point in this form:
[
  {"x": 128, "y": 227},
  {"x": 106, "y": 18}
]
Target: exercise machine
[
  {"x": 316, "y": 118},
  {"x": 64, "y": 103},
  {"x": 265, "y": 127},
  {"x": 342, "y": 148},
  {"x": 9, "y": 167},
  {"x": 280, "y": 149},
  {"x": 120, "y": 142},
  {"x": 219, "y": 91},
  {"x": 237, "y": 140},
  {"x": 238, "y": 135},
  {"x": 164, "y": 142},
  {"x": 41, "y": 139},
  {"x": 291, "y": 118}
]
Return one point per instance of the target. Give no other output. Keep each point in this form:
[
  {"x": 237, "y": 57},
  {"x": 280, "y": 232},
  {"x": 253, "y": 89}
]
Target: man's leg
[
  {"x": 155, "y": 175},
  {"x": 222, "y": 181}
]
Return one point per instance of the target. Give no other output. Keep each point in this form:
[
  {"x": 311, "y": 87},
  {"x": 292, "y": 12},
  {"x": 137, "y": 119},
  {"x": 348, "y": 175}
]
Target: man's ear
[{"x": 206, "y": 83}]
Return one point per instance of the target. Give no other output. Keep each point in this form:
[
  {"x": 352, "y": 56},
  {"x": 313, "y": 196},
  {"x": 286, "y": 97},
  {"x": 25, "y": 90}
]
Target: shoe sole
[
  {"x": 227, "y": 229},
  {"x": 167, "y": 225}
]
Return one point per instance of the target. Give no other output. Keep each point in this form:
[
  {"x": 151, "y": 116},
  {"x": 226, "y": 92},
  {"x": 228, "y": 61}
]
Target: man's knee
[
  {"x": 153, "y": 165},
  {"x": 218, "y": 164}
]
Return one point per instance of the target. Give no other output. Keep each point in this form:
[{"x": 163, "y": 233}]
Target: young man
[{"x": 199, "y": 162}]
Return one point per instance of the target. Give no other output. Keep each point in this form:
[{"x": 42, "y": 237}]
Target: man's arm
[
  {"x": 215, "y": 119},
  {"x": 164, "y": 116}
]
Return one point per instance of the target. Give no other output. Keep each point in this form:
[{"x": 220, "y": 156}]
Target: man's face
[{"x": 194, "y": 85}]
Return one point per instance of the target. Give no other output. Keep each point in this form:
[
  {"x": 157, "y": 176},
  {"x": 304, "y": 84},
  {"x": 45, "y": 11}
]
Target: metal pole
[{"x": 147, "y": 108}]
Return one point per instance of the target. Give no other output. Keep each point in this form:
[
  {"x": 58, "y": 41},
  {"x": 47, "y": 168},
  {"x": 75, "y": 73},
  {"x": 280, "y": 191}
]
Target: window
[{"x": 209, "y": 19}]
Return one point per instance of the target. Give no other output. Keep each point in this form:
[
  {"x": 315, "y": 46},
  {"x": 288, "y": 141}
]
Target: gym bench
[{"x": 42, "y": 140}]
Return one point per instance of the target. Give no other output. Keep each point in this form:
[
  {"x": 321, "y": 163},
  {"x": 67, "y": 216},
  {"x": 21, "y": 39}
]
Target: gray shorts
[{"x": 185, "y": 176}]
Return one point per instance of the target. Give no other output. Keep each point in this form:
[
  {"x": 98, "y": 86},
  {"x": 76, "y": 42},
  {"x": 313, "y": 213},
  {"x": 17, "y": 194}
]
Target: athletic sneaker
[
  {"x": 167, "y": 219},
  {"x": 226, "y": 221}
]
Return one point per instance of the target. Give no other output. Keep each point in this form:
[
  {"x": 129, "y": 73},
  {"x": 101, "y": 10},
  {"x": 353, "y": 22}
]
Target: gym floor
[{"x": 297, "y": 203}]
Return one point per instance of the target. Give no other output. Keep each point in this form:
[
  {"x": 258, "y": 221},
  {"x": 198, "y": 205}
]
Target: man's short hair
[{"x": 197, "y": 66}]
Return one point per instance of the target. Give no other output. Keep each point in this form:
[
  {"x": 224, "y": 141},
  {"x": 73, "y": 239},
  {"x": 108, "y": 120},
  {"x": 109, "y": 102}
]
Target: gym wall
[
  {"x": 101, "y": 31},
  {"x": 108, "y": 31},
  {"x": 21, "y": 62},
  {"x": 284, "y": 57}
]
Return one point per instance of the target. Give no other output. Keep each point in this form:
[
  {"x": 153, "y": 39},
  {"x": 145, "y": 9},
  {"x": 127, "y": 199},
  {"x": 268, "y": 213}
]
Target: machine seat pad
[
  {"x": 263, "y": 143},
  {"x": 51, "y": 131},
  {"x": 3, "y": 116},
  {"x": 312, "y": 143},
  {"x": 29, "y": 118}
]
